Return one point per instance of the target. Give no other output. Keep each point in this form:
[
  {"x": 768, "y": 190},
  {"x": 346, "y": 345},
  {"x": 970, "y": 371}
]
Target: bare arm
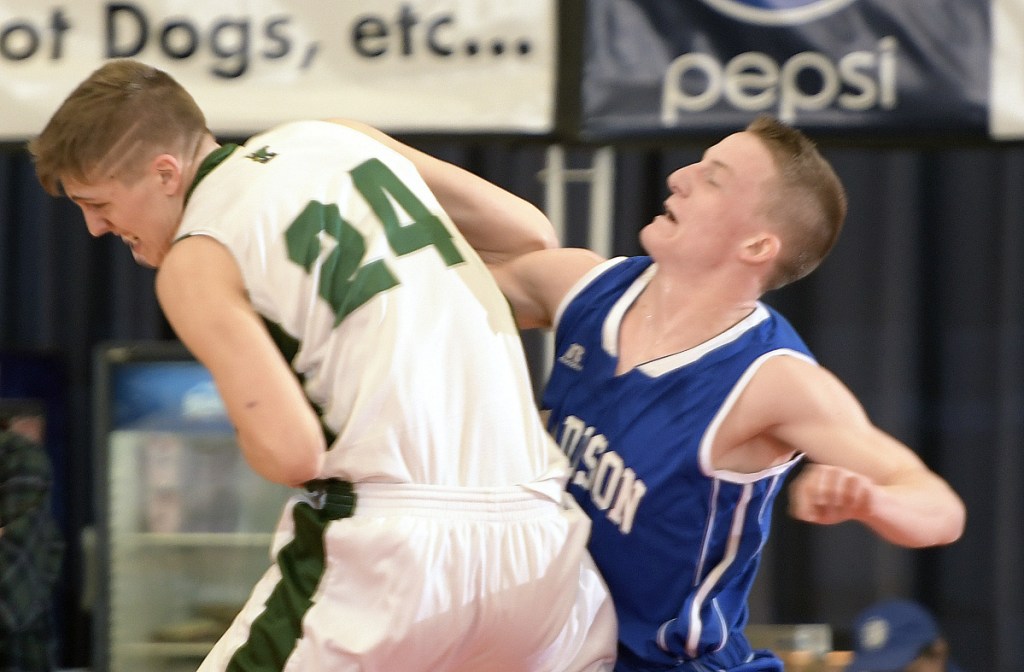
[
  {"x": 498, "y": 224},
  {"x": 514, "y": 238},
  {"x": 536, "y": 283},
  {"x": 201, "y": 292},
  {"x": 859, "y": 472}
]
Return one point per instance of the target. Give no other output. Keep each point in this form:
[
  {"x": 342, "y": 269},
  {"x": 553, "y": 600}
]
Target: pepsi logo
[{"x": 777, "y": 12}]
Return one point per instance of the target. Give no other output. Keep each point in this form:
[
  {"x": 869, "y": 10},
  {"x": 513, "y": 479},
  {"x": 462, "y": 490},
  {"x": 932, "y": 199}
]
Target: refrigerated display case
[{"x": 184, "y": 525}]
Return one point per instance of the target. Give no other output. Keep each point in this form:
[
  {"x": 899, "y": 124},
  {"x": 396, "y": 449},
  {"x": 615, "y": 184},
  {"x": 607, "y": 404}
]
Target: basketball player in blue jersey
[
  {"x": 682, "y": 401},
  {"x": 366, "y": 356}
]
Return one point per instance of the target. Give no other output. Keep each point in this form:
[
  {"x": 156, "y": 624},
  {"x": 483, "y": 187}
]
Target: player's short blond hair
[
  {"x": 116, "y": 120},
  {"x": 808, "y": 201}
]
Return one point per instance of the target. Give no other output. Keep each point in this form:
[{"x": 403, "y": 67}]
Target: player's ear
[
  {"x": 761, "y": 247},
  {"x": 168, "y": 169}
]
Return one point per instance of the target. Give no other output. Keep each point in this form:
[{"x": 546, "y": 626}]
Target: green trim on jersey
[
  {"x": 212, "y": 160},
  {"x": 285, "y": 342},
  {"x": 288, "y": 345}
]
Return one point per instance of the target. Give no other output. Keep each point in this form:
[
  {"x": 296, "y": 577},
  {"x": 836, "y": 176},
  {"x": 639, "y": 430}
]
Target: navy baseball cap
[{"x": 890, "y": 634}]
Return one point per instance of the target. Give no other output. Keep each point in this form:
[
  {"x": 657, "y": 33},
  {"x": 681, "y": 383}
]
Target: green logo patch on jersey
[{"x": 262, "y": 155}]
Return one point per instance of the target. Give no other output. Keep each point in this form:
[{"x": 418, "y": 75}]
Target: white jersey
[
  {"x": 439, "y": 522},
  {"x": 400, "y": 336}
]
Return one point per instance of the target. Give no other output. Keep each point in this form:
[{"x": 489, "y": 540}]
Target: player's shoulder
[
  {"x": 554, "y": 267},
  {"x": 570, "y": 260},
  {"x": 785, "y": 370},
  {"x": 795, "y": 385}
]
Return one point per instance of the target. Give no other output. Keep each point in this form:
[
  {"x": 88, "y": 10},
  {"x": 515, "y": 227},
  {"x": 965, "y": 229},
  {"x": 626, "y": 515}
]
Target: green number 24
[{"x": 345, "y": 281}]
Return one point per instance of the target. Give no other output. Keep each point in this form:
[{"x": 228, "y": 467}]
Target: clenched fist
[{"x": 828, "y": 495}]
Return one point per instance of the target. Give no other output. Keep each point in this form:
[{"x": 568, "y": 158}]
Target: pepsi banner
[{"x": 853, "y": 68}]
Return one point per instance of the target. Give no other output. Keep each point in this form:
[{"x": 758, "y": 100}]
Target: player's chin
[
  {"x": 143, "y": 259},
  {"x": 650, "y": 232}
]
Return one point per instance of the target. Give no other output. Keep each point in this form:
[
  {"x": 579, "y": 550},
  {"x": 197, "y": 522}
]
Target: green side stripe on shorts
[{"x": 275, "y": 632}]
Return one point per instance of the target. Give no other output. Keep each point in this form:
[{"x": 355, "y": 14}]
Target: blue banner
[{"x": 854, "y": 68}]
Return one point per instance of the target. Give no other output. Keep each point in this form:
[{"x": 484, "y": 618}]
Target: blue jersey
[{"x": 677, "y": 541}]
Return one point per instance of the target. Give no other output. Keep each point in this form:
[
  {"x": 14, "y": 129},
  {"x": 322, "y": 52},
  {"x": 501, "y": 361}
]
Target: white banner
[
  {"x": 449, "y": 66},
  {"x": 1006, "y": 96}
]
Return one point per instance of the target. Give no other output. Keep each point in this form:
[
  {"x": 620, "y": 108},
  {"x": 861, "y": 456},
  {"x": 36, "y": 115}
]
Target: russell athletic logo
[
  {"x": 777, "y": 12},
  {"x": 573, "y": 357}
]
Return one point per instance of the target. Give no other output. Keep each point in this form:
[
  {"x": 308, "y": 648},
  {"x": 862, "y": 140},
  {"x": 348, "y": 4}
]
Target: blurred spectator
[
  {"x": 899, "y": 636},
  {"x": 31, "y": 550}
]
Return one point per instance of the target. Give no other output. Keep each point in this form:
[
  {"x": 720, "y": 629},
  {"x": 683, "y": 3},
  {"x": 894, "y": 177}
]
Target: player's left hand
[{"x": 827, "y": 495}]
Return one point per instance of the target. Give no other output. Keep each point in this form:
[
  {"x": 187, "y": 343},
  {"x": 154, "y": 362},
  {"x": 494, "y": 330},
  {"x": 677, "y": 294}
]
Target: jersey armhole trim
[
  {"x": 579, "y": 286},
  {"x": 709, "y": 436}
]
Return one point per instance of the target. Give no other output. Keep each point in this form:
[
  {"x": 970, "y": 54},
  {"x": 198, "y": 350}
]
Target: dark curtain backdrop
[{"x": 919, "y": 310}]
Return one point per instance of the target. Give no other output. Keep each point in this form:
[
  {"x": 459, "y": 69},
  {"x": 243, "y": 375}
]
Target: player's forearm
[
  {"x": 925, "y": 512},
  {"x": 287, "y": 463},
  {"x": 496, "y": 223}
]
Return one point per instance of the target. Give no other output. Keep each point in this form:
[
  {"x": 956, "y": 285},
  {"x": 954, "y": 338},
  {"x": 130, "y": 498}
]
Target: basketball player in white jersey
[{"x": 366, "y": 357}]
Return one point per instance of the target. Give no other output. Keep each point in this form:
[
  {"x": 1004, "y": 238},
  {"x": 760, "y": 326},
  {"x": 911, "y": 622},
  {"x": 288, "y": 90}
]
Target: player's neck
[
  {"x": 670, "y": 317},
  {"x": 706, "y": 303}
]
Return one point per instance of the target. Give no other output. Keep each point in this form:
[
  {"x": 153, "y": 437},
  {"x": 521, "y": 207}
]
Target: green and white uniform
[{"x": 462, "y": 553}]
